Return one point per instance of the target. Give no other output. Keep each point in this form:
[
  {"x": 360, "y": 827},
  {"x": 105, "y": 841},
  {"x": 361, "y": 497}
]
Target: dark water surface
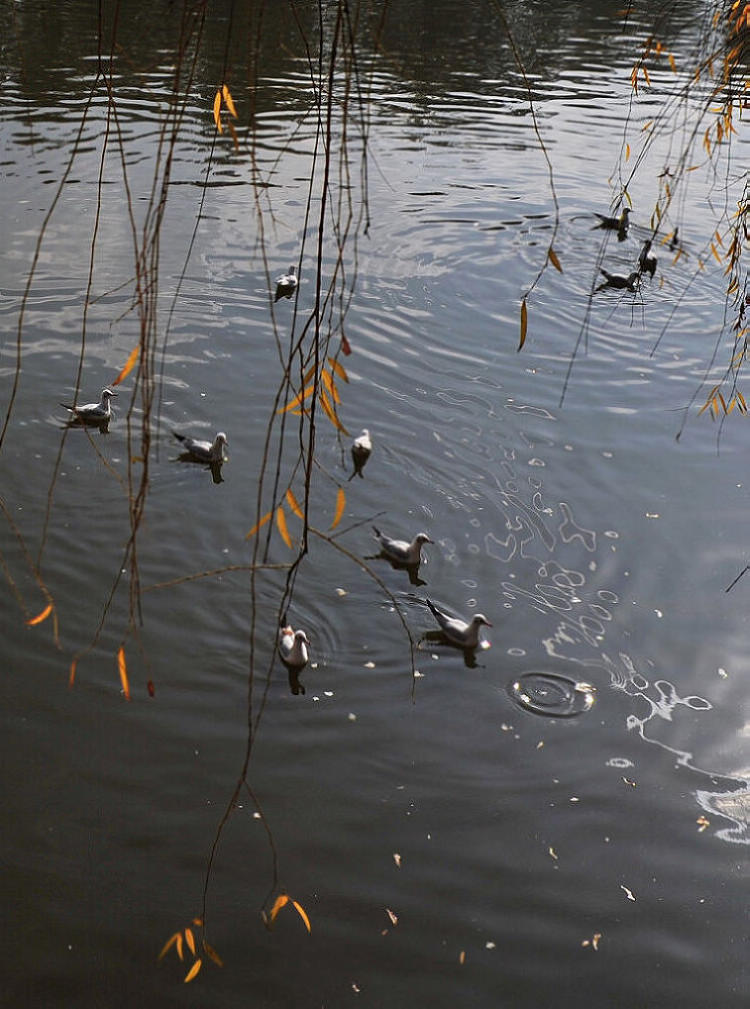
[{"x": 500, "y": 839}]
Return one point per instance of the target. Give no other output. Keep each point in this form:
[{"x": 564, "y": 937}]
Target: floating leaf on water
[
  {"x": 397, "y": 859},
  {"x": 193, "y": 970},
  {"x": 341, "y": 592},
  {"x": 72, "y": 673},
  {"x": 702, "y": 823},
  {"x": 628, "y": 893},
  {"x": 151, "y": 688},
  {"x": 392, "y": 916},
  {"x": 369, "y": 665},
  {"x": 553, "y": 853},
  {"x": 33, "y": 621},
  {"x": 629, "y": 782}
]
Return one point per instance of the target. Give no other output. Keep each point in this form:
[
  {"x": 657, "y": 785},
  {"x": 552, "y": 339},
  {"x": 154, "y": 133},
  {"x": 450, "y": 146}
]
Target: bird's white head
[
  {"x": 422, "y": 538},
  {"x": 108, "y": 394},
  {"x": 480, "y": 618}
]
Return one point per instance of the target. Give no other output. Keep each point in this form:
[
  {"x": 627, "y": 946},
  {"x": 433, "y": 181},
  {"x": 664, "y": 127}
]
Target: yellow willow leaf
[
  {"x": 294, "y": 504},
  {"x": 679, "y": 254},
  {"x": 524, "y": 323},
  {"x": 741, "y": 398},
  {"x": 330, "y": 413},
  {"x": 645, "y": 74},
  {"x": 190, "y": 940},
  {"x": 299, "y": 398},
  {"x": 338, "y": 368},
  {"x": 225, "y": 94},
  {"x": 233, "y": 133},
  {"x": 193, "y": 971},
  {"x": 308, "y": 375},
  {"x": 72, "y": 674},
  {"x": 168, "y": 945},
  {"x": 732, "y": 404},
  {"x": 258, "y": 525},
  {"x": 723, "y": 403},
  {"x": 282, "y": 527},
  {"x": 280, "y": 901},
  {"x": 717, "y": 236},
  {"x": 33, "y": 621},
  {"x": 647, "y": 126},
  {"x": 179, "y": 946},
  {"x": 552, "y": 256},
  {"x": 672, "y": 63},
  {"x": 301, "y": 912},
  {"x": 627, "y": 152},
  {"x": 217, "y": 111},
  {"x": 717, "y": 257},
  {"x": 330, "y": 385},
  {"x": 123, "y": 670},
  {"x": 129, "y": 365},
  {"x": 340, "y": 505},
  {"x": 213, "y": 954}
]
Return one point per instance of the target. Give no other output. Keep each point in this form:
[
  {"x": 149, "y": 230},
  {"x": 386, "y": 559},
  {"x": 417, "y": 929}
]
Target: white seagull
[
  {"x": 96, "y": 412},
  {"x": 361, "y": 449},
  {"x": 204, "y": 451},
  {"x": 458, "y": 631},
  {"x": 293, "y": 647},
  {"x": 401, "y": 551},
  {"x": 647, "y": 260},
  {"x": 286, "y": 284}
]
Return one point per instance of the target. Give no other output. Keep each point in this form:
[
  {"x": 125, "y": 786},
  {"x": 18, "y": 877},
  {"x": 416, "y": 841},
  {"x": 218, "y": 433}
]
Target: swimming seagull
[
  {"x": 619, "y": 224},
  {"x": 647, "y": 260},
  {"x": 286, "y": 284},
  {"x": 458, "y": 631},
  {"x": 204, "y": 451},
  {"x": 401, "y": 551},
  {"x": 361, "y": 449},
  {"x": 293, "y": 647},
  {"x": 94, "y": 412},
  {"x": 619, "y": 280}
]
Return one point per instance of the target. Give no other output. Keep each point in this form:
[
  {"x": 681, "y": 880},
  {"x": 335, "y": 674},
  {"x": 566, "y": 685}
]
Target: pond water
[{"x": 557, "y": 818}]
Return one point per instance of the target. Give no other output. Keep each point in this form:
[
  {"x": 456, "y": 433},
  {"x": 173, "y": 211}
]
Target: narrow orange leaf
[
  {"x": 168, "y": 945},
  {"x": 294, "y": 503},
  {"x": 193, "y": 971},
  {"x": 228, "y": 100},
  {"x": 524, "y": 323},
  {"x": 345, "y": 345},
  {"x": 340, "y": 505},
  {"x": 282, "y": 526},
  {"x": 123, "y": 669},
  {"x": 301, "y": 912},
  {"x": 552, "y": 256},
  {"x": 233, "y": 133},
  {"x": 329, "y": 411},
  {"x": 645, "y": 74},
  {"x": 328, "y": 382},
  {"x": 627, "y": 152},
  {"x": 280, "y": 901},
  {"x": 72, "y": 674},
  {"x": 33, "y": 621},
  {"x": 217, "y": 111},
  {"x": 258, "y": 525},
  {"x": 299, "y": 398},
  {"x": 717, "y": 257},
  {"x": 213, "y": 954},
  {"x": 338, "y": 368},
  {"x": 190, "y": 940},
  {"x": 129, "y": 364},
  {"x": 179, "y": 946}
]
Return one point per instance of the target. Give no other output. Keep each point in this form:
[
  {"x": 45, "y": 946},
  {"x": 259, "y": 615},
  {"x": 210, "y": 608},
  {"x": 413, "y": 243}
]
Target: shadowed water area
[{"x": 560, "y": 818}]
